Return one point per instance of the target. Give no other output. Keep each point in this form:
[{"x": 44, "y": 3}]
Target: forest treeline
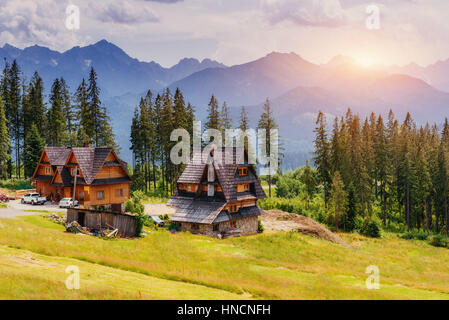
[
  {"x": 396, "y": 170},
  {"x": 154, "y": 120},
  {"x": 28, "y": 122}
]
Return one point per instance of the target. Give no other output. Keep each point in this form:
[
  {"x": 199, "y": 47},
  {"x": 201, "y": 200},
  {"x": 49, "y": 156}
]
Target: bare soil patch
[
  {"x": 157, "y": 209},
  {"x": 284, "y": 221}
]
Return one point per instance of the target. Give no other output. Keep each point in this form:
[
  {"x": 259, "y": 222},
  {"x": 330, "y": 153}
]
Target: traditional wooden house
[
  {"x": 218, "y": 198},
  {"x": 93, "y": 176}
]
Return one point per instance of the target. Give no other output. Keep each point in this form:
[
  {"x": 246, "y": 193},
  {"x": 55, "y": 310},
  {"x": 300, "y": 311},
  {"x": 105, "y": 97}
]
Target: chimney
[{"x": 210, "y": 180}]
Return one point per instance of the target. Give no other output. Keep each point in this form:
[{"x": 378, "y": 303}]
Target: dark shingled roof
[
  {"x": 200, "y": 211},
  {"x": 57, "y": 155},
  {"x": 90, "y": 161},
  {"x": 244, "y": 212},
  {"x": 196, "y": 211},
  {"x": 43, "y": 178},
  {"x": 226, "y": 173}
]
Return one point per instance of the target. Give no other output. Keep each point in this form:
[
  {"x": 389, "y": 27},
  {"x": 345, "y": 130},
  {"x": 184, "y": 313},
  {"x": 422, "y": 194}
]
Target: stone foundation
[{"x": 244, "y": 227}]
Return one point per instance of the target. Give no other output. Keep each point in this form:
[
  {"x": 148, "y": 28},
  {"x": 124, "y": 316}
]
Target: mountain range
[{"x": 297, "y": 88}]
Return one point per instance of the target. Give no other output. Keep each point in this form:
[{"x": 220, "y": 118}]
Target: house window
[
  {"x": 189, "y": 188},
  {"x": 100, "y": 195},
  {"x": 233, "y": 208},
  {"x": 47, "y": 170},
  {"x": 243, "y": 171},
  {"x": 195, "y": 226},
  {"x": 75, "y": 171},
  {"x": 215, "y": 227},
  {"x": 118, "y": 193},
  {"x": 233, "y": 224},
  {"x": 246, "y": 187}
]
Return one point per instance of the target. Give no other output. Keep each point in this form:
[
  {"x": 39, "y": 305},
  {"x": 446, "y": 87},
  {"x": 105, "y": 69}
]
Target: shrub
[
  {"x": 420, "y": 235},
  {"x": 164, "y": 217},
  {"x": 439, "y": 240},
  {"x": 174, "y": 226},
  {"x": 16, "y": 184},
  {"x": 371, "y": 228},
  {"x": 260, "y": 227},
  {"x": 135, "y": 206}
]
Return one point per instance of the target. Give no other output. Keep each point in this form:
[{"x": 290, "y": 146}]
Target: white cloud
[
  {"x": 29, "y": 22},
  {"x": 126, "y": 13},
  {"x": 320, "y": 13}
]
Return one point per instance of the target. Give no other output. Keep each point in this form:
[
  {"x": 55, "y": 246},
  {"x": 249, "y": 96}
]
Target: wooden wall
[
  {"x": 125, "y": 224},
  {"x": 109, "y": 194}
]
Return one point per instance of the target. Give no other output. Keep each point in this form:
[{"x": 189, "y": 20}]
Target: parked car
[
  {"x": 4, "y": 198},
  {"x": 68, "y": 203},
  {"x": 157, "y": 221},
  {"x": 33, "y": 198}
]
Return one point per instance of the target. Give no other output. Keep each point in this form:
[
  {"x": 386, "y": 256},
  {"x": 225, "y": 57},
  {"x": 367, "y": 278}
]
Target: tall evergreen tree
[
  {"x": 268, "y": 123},
  {"x": 213, "y": 114},
  {"x": 57, "y": 128},
  {"x": 34, "y": 145},
  {"x": 322, "y": 154},
  {"x": 4, "y": 143}
]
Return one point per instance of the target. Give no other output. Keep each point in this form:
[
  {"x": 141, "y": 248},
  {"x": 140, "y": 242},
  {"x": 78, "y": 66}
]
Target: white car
[
  {"x": 68, "y": 203},
  {"x": 33, "y": 198}
]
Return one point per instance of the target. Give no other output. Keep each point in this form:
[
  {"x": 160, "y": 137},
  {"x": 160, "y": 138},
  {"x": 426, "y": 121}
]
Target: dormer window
[
  {"x": 47, "y": 170},
  {"x": 243, "y": 171},
  {"x": 75, "y": 171},
  {"x": 233, "y": 209}
]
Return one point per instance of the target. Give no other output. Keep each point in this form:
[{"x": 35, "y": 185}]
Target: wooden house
[
  {"x": 218, "y": 198},
  {"x": 93, "y": 176}
]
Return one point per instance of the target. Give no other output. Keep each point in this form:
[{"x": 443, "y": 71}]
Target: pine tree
[
  {"x": 4, "y": 143},
  {"x": 338, "y": 201},
  {"x": 309, "y": 182},
  {"x": 69, "y": 114},
  {"x": 268, "y": 123},
  {"x": 57, "y": 129},
  {"x": 225, "y": 121},
  {"x": 213, "y": 114},
  {"x": 7, "y": 106},
  {"x": 34, "y": 145},
  {"x": 86, "y": 125},
  {"x": 15, "y": 112},
  {"x": 322, "y": 154}
]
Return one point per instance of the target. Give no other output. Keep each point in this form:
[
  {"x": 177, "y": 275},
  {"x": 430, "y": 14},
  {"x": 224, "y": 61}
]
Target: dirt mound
[{"x": 285, "y": 221}]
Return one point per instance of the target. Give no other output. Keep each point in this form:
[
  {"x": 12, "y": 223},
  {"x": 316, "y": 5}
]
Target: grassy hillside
[{"x": 283, "y": 265}]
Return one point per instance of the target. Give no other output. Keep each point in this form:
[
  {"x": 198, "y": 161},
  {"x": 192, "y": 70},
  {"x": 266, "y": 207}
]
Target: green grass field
[{"x": 34, "y": 253}]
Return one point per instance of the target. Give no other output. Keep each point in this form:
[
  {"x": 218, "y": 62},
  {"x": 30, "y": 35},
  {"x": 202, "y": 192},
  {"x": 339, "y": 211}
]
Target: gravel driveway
[{"x": 15, "y": 208}]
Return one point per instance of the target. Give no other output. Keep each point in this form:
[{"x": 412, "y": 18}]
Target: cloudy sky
[{"x": 237, "y": 31}]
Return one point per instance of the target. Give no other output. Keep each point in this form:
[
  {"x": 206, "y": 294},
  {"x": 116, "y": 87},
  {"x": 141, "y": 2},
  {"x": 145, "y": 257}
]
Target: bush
[
  {"x": 164, "y": 217},
  {"x": 260, "y": 227},
  {"x": 420, "y": 235},
  {"x": 371, "y": 228},
  {"x": 439, "y": 240},
  {"x": 174, "y": 226},
  {"x": 16, "y": 184}
]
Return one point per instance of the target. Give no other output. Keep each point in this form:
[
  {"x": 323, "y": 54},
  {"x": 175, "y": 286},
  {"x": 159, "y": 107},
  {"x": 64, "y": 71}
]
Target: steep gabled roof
[
  {"x": 57, "y": 156},
  {"x": 226, "y": 172},
  {"x": 90, "y": 161}
]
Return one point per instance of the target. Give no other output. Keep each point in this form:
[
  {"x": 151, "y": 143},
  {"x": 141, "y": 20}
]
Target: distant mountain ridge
[
  {"x": 297, "y": 88},
  {"x": 118, "y": 73}
]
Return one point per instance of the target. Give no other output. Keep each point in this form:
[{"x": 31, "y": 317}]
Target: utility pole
[{"x": 74, "y": 186}]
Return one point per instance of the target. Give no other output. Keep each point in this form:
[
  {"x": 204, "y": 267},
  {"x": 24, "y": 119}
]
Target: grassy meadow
[{"x": 34, "y": 253}]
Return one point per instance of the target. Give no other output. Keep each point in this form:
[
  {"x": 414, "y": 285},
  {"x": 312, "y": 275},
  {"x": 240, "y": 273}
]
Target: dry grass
[{"x": 284, "y": 265}]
